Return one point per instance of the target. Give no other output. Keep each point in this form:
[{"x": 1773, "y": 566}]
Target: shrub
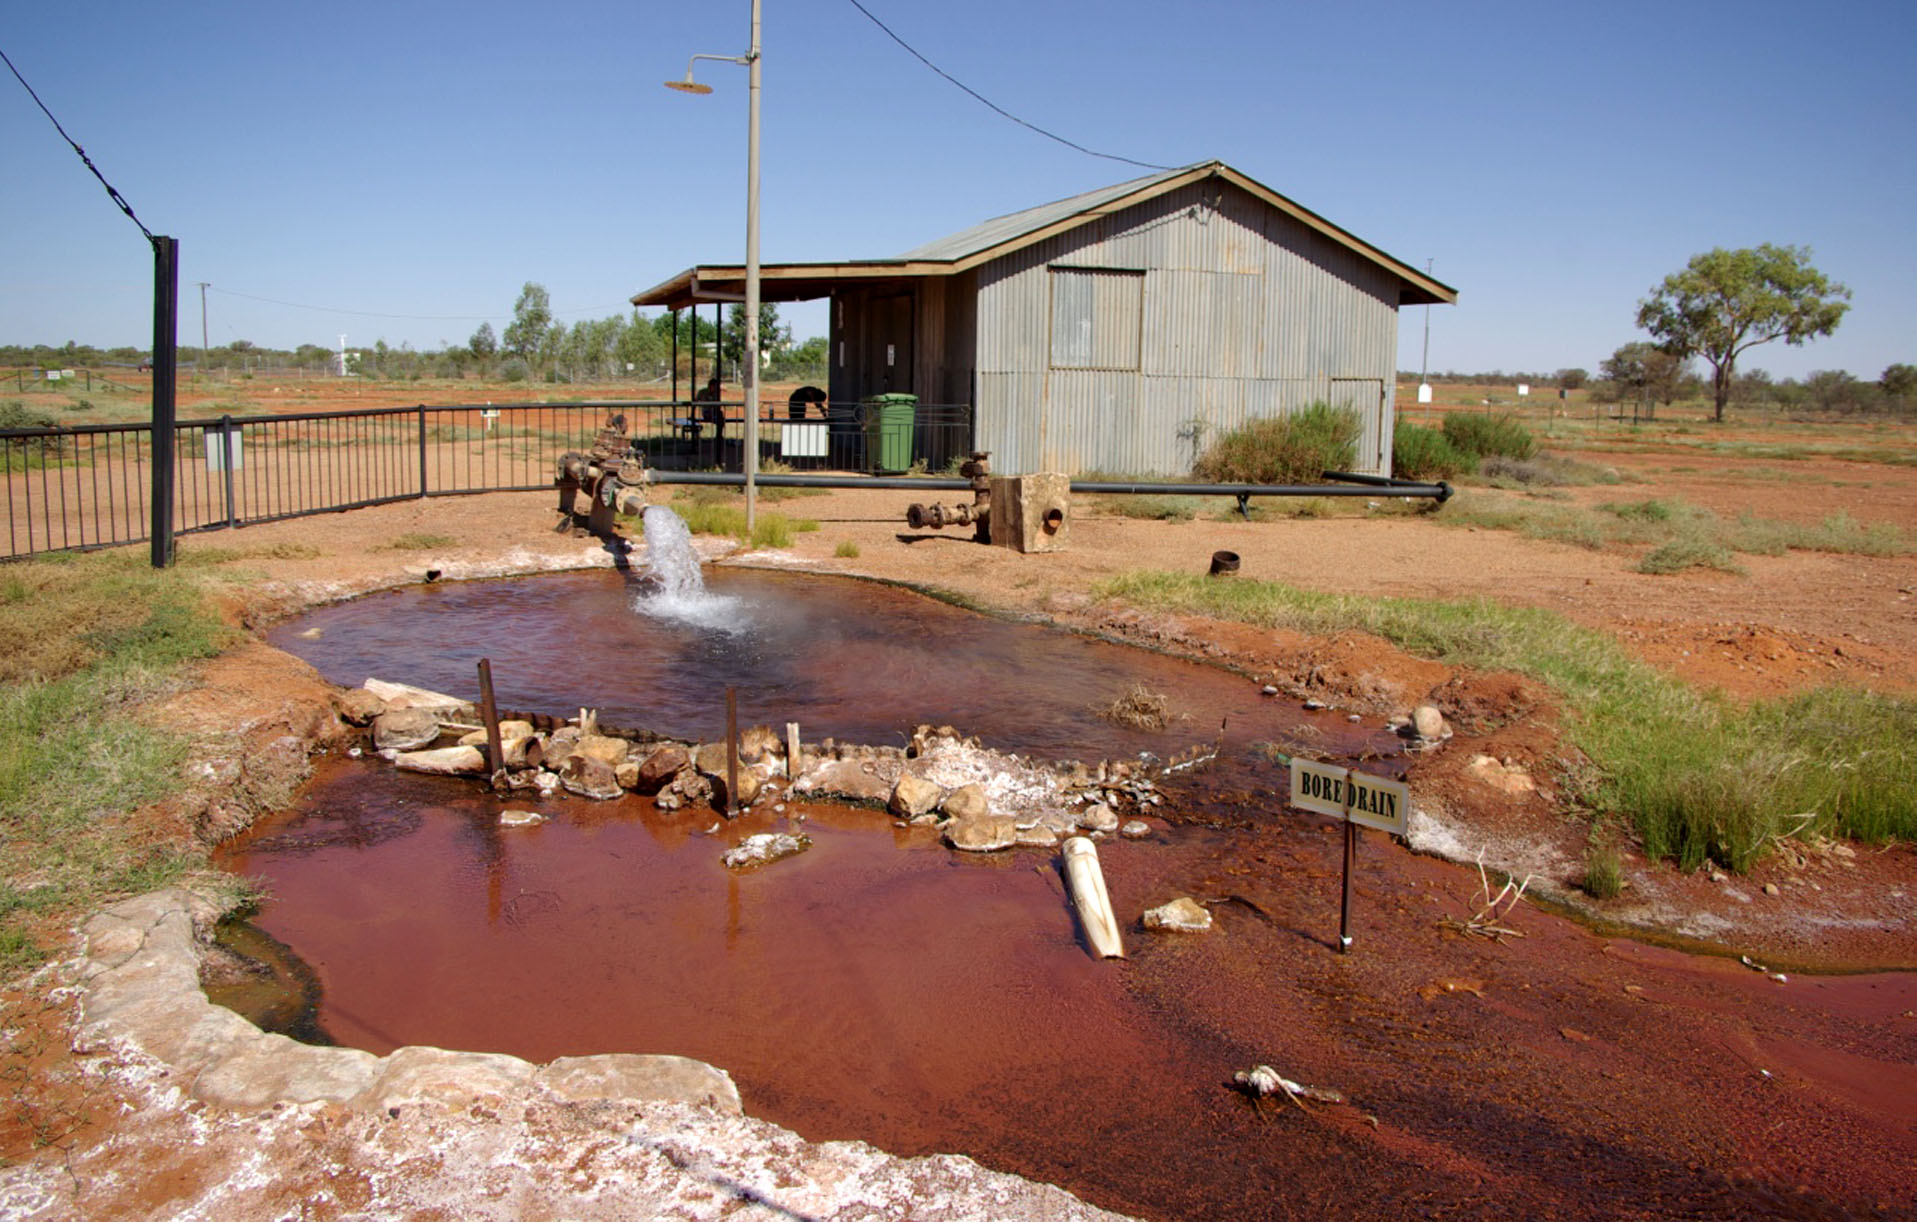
[
  {"x": 1294, "y": 448},
  {"x": 1485, "y": 435},
  {"x": 1688, "y": 552},
  {"x": 17, "y": 415},
  {"x": 1422, "y": 453},
  {"x": 846, "y": 550}
]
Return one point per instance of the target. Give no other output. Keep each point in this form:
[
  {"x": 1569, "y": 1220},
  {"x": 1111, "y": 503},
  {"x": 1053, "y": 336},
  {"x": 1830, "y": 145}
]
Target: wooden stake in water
[
  {"x": 732, "y": 752},
  {"x": 489, "y": 710},
  {"x": 794, "y": 754}
]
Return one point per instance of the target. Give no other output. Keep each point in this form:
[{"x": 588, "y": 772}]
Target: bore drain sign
[{"x": 1366, "y": 800}]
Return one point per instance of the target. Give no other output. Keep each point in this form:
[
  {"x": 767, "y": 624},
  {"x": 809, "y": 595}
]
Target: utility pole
[
  {"x": 203, "y": 351},
  {"x": 1424, "y": 364}
]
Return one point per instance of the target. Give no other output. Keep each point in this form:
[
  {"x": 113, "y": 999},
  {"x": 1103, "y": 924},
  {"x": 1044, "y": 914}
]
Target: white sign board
[
  {"x": 1524, "y": 389},
  {"x": 1368, "y": 801},
  {"x": 216, "y": 450},
  {"x": 1424, "y": 392},
  {"x": 803, "y": 440}
]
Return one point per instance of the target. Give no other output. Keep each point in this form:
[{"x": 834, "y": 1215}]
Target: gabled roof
[{"x": 1003, "y": 235}]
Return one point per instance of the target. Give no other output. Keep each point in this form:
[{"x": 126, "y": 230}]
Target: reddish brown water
[
  {"x": 884, "y": 988},
  {"x": 854, "y": 660}
]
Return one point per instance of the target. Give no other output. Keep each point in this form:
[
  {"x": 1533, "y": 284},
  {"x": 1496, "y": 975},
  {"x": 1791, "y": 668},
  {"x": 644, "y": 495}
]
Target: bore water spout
[{"x": 678, "y": 587}]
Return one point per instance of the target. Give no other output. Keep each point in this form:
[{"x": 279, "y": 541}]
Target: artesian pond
[{"x": 879, "y": 986}]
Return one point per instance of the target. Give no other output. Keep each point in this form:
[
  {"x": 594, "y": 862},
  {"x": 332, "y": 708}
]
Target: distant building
[{"x": 1116, "y": 330}]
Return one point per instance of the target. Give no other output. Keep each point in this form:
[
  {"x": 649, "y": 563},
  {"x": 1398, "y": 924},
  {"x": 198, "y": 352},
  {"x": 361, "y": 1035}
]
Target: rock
[
  {"x": 627, "y": 774},
  {"x": 442, "y": 761},
  {"x": 1314, "y": 705},
  {"x": 1098, "y": 817},
  {"x": 983, "y": 834},
  {"x": 418, "y": 1074},
  {"x": 763, "y": 849},
  {"x": 1037, "y": 836},
  {"x": 358, "y": 706},
  {"x": 1772, "y": 889},
  {"x": 1135, "y": 829},
  {"x": 1267, "y": 690},
  {"x": 589, "y": 778},
  {"x": 710, "y": 758},
  {"x": 751, "y": 783},
  {"x": 405, "y": 729},
  {"x": 1428, "y": 723},
  {"x": 620, "y": 1077},
  {"x": 967, "y": 802},
  {"x": 661, "y": 766},
  {"x": 611, "y": 751},
  {"x": 913, "y": 796},
  {"x": 1182, "y": 915},
  {"x": 516, "y": 728},
  {"x": 1505, "y": 778},
  {"x": 520, "y": 818}
]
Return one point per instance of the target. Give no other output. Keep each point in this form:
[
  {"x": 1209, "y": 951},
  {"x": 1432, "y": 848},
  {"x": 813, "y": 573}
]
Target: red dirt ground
[{"x": 1573, "y": 1070}]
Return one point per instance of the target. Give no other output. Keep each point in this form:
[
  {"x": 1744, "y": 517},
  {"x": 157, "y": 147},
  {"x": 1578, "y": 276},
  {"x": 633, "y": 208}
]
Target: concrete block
[{"x": 1031, "y": 513}]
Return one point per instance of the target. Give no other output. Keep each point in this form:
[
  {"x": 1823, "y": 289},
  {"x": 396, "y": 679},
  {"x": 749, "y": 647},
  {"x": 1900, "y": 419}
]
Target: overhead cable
[
  {"x": 112, "y": 194},
  {"x": 1072, "y": 144}
]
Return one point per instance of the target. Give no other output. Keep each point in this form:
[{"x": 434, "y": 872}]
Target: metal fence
[{"x": 91, "y": 486}]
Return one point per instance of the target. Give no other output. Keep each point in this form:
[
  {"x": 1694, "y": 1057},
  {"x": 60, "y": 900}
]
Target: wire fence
[{"x": 92, "y": 486}]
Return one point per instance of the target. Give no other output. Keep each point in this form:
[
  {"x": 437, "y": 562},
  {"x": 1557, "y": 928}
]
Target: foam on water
[{"x": 679, "y": 588}]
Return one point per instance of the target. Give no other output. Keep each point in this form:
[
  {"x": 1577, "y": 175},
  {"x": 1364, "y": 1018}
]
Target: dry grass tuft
[{"x": 1140, "y": 708}]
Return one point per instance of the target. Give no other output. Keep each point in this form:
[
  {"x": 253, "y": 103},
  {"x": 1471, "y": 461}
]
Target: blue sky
[{"x": 409, "y": 165}]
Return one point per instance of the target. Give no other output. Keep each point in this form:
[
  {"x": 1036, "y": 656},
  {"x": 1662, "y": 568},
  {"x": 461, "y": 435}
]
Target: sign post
[{"x": 1360, "y": 800}]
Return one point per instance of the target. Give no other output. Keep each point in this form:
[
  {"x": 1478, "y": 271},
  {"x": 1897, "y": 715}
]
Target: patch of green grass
[
  {"x": 1682, "y": 535},
  {"x": 1688, "y": 552},
  {"x": 1701, "y": 778},
  {"x": 1152, "y": 508},
  {"x": 95, "y": 637},
  {"x": 846, "y": 550},
  {"x": 1603, "y": 872},
  {"x": 194, "y": 555},
  {"x": 709, "y": 517}
]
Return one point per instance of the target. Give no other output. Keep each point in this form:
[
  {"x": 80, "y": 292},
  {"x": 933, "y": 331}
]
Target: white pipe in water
[{"x": 1094, "y": 904}]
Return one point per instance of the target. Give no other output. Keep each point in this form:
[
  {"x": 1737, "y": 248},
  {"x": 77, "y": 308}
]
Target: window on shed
[{"x": 1097, "y": 314}]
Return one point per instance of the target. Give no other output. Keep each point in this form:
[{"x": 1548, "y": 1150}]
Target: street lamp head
[{"x": 688, "y": 85}]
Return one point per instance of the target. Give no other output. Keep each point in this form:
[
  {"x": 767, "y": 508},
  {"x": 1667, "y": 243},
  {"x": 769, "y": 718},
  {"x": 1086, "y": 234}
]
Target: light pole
[{"x": 750, "y": 377}]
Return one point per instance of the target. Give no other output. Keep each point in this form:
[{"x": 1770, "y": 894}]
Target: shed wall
[{"x": 1246, "y": 313}]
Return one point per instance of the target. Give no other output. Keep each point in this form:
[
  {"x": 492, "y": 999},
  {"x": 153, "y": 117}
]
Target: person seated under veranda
[
  {"x": 710, "y": 412},
  {"x": 802, "y": 399}
]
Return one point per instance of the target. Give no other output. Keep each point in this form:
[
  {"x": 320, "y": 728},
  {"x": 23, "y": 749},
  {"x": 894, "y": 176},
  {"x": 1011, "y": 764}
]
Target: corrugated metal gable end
[{"x": 1246, "y": 312}]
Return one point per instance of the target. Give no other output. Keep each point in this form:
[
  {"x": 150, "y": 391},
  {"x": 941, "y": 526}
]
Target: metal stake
[
  {"x": 732, "y": 752},
  {"x": 488, "y": 709},
  {"x": 1344, "y": 910}
]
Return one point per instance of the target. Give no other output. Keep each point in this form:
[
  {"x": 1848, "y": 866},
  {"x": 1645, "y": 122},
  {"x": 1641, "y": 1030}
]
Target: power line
[
  {"x": 112, "y": 194},
  {"x": 994, "y": 105},
  {"x": 319, "y": 309}
]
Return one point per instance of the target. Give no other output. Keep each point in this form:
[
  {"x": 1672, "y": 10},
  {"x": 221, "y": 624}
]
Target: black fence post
[
  {"x": 422, "y": 450},
  {"x": 166, "y": 305}
]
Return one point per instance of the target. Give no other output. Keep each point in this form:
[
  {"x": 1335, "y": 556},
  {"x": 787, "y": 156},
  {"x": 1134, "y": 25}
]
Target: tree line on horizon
[{"x": 533, "y": 347}]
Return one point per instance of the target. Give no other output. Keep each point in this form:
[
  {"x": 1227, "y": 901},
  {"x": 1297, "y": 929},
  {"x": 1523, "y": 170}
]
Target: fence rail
[{"x": 91, "y": 486}]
